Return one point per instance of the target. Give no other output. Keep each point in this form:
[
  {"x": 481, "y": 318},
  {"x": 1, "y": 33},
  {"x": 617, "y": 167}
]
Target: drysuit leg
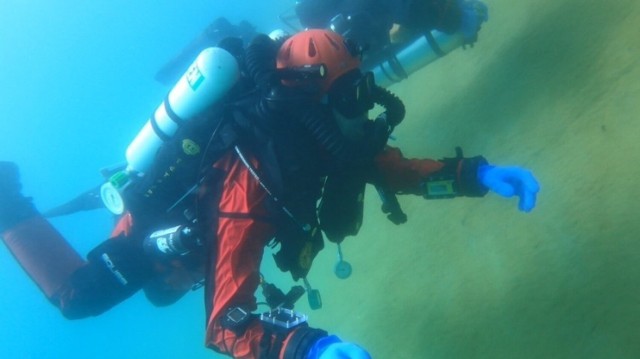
[
  {"x": 45, "y": 256},
  {"x": 42, "y": 252},
  {"x": 242, "y": 229},
  {"x": 115, "y": 269}
]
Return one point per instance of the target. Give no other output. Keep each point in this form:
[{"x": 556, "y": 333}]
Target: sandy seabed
[{"x": 553, "y": 86}]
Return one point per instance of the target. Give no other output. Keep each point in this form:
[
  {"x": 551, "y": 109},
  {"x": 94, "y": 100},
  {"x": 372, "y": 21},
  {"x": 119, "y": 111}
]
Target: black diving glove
[{"x": 14, "y": 207}]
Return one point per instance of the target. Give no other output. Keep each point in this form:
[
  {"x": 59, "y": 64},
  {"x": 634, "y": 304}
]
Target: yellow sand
[{"x": 554, "y": 86}]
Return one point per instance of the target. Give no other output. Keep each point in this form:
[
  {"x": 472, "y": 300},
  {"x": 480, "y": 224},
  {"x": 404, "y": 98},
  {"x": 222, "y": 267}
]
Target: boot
[{"x": 14, "y": 207}]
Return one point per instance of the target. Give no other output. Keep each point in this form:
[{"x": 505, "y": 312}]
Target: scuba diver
[
  {"x": 386, "y": 28},
  {"x": 218, "y": 29},
  {"x": 283, "y": 159}
]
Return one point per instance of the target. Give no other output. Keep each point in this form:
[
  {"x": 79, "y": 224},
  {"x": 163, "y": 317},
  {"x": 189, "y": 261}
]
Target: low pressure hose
[
  {"x": 260, "y": 60},
  {"x": 392, "y": 104},
  {"x": 325, "y": 132},
  {"x": 328, "y": 135}
]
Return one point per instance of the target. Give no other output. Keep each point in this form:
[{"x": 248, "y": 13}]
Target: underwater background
[{"x": 551, "y": 85}]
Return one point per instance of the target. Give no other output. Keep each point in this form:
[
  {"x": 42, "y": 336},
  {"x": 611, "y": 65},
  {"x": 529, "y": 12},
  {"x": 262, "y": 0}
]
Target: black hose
[
  {"x": 327, "y": 133},
  {"x": 260, "y": 60},
  {"x": 393, "y": 105}
]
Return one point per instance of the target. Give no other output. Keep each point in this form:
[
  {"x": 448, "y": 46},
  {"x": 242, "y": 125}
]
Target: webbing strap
[{"x": 434, "y": 44}]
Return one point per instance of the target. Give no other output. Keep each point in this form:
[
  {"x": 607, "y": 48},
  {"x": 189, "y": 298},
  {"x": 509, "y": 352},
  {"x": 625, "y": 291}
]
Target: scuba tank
[
  {"x": 209, "y": 78},
  {"x": 409, "y": 59},
  {"x": 391, "y": 63}
]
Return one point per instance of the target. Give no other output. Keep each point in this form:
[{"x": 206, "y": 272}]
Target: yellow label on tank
[{"x": 190, "y": 147}]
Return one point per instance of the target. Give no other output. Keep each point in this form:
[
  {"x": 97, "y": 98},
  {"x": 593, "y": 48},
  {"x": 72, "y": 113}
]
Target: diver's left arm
[{"x": 453, "y": 177}]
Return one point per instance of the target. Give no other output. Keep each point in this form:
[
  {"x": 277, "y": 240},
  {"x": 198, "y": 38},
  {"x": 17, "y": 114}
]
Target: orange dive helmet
[{"x": 318, "y": 47}]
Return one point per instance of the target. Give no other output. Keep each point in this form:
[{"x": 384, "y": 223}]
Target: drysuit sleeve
[{"x": 448, "y": 177}]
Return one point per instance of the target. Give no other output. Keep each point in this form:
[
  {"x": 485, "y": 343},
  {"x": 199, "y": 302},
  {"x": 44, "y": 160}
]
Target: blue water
[
  {"x": 551, "y": 85},
  {"x": 76, "y": 84}
]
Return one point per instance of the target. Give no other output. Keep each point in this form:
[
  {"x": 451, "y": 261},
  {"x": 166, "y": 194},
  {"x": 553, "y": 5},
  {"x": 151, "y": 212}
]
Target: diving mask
[{"x": 352, "y": 95}]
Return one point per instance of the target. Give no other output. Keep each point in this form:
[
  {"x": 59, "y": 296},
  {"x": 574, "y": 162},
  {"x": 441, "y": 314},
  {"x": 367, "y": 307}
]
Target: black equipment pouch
[
  {"x": 298, "y": 250},
  {"x": 342, "y": 206}
]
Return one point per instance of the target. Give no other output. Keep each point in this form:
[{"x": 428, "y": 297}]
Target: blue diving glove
[
  {"x": 473, "y": 14},
  {"x": 510, "y": 181},
  {"x": 332, "y": 347}
]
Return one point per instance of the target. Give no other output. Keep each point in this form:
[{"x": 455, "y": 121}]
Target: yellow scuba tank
[{"x": 213, "y": 73}]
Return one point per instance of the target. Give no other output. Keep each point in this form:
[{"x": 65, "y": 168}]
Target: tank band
[
  {"x": 172, "y": 115},
  {"x": 397, "y": 68},
  {"x": 388, "y": 74},
  {"x": 434, "y": 44},
  {"x": 157, "y": 130}
]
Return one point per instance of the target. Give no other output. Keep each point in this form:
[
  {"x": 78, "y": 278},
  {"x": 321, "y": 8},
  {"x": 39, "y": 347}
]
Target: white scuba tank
[
  {"x": 208, "y": 79},
  {"x": 411, "y": 58}
]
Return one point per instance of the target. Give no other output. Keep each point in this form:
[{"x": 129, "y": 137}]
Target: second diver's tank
[{"x": 419, "y": 53}]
